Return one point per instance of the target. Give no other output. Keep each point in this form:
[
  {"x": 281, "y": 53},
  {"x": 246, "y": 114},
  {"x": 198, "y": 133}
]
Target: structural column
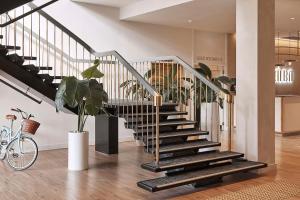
[{"x": 255, "y": 28}]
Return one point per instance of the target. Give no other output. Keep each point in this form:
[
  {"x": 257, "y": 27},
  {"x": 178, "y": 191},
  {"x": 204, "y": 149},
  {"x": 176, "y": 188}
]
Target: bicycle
[{"x": 20, "y": 150}]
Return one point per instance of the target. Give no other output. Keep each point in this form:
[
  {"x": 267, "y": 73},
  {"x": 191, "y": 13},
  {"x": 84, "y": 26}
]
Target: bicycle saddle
[{"x": 12, "y": 117}]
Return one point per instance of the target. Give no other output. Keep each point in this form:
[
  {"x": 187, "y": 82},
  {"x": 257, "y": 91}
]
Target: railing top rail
[
  {"x": 135, "y": 73},
  {"x": 62, "y": 27},
  {"x": 146, "y": 85},
  {"x": 34, "y": 9},
  {"x": 186, "y": 66}
]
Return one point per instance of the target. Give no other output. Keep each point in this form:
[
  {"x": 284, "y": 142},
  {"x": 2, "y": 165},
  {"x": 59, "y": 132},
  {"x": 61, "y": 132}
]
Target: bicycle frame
[{"x": 12, "y": 136}]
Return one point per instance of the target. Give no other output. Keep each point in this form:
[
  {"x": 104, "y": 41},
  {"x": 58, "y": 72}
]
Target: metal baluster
[
  {"x": 6, "y": 31},
  {"x": 131, "y": 102},
  {"x": 76, "y": 61},
  {"x": 195, "y": 99},
  {"x": 119, "y": 90},
  {"x": 127, "y": 96},
  {"x": 206, "y": 101},
  {"x": 211, "y": 115},
  {"x": 123, "y": 95},
  {"x": 159, "y": 64},
  {"x": 39, "y": 39},
  {"x": 62, "y": 53},
  {"x": 157, "y": 104},
  {"x": 142, "y": 105},
  {"x": 23, "y": 33},
  {"x": 54, "y": 51},
  {"x": 147, "y": 127},
  {"x": 200, "y": 103},
  {"x": 15, "y": 32},
  {"x": 191, "y": 93},
  {"x": 47, "y": 39},
  {"x": 69, "y": 57},
  {"x": 31, "y": 35},
  {"x": 177, "y": 83}
]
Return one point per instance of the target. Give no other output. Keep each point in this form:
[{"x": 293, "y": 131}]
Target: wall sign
[
  {"x": 209, "y": 58},
  {"x": 284, "y": 75}
]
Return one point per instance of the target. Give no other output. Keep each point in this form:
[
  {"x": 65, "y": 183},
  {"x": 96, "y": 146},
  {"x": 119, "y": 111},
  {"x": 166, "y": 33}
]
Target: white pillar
[{"x": 255, "y": 100}]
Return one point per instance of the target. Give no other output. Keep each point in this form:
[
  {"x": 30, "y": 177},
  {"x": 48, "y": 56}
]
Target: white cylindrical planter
[{"x": 78, "y": 151}]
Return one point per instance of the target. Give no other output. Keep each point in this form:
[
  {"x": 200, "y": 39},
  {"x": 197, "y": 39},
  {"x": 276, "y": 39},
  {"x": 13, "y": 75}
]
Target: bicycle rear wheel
[
  {"x": 21, "y": 154},
  {"x": 3, "y": 143}
]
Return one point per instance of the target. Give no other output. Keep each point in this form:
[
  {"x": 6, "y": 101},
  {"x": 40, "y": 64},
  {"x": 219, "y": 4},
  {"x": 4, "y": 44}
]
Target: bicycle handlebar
[{"x": 22, "y": 112}]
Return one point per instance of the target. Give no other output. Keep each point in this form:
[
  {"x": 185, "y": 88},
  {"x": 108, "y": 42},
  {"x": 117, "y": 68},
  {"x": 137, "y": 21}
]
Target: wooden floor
[{"x": 115, "y": 177}]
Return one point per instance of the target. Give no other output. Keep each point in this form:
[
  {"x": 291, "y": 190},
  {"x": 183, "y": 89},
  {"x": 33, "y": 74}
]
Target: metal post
[
  {"x": 157, "y": 104},
  {"x": 230, "y": 115}
]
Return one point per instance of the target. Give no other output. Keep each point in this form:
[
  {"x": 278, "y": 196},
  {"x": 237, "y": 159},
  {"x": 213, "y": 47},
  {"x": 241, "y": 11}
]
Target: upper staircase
[
  {"x": 173, "y": 110},
  {"x": 7, "y": 5}
]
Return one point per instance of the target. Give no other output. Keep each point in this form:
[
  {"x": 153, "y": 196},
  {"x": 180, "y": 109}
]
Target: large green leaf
[
  {"x": 204, "y": 70},
  {"x": 94, "y": 97},
  {"x": 71, "y": 92},
  {"x": 92, "y": 72}
]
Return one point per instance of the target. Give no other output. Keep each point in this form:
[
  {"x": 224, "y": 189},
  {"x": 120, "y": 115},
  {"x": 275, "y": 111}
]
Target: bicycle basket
[{"x": 30, "y": 126}]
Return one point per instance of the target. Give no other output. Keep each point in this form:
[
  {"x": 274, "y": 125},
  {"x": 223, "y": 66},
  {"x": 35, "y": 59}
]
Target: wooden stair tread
[
  {"x": 185, "y": 178},
  {"x": 179, "y": 133},
  {"x": 188, "y": 145},
  {"x": 184, "y": 161},
  {"x": 168, "y": 113},
  {"x": 169, "y": 122}
]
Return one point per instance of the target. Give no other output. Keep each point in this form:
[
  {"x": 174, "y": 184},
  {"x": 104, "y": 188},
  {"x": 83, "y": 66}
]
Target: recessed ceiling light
[
  {"x": 292, "y": 18},
  {"x": 190, "y": 21}
]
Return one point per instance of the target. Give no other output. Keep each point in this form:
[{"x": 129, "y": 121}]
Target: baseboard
[
  {"x": 52, "y": 147},
  {"x": 126, "y": 139},
  {"x": 286, "y": 134},
  {"x": 65, "y": 146}
]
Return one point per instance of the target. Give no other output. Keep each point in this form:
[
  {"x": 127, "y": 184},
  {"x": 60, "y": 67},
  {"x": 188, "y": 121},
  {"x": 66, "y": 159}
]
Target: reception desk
[{"x": 287, "y": 115}]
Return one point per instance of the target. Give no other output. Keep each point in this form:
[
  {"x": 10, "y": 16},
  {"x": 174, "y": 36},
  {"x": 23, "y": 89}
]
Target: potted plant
[
  {"x": 226, "y": 84},
  {"x": 86, "y": 96}
]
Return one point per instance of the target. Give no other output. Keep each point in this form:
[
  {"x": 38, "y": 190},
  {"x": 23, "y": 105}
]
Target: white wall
[
  {"x": 101, "y": 28},
  {"x": 54, "y": 126}
]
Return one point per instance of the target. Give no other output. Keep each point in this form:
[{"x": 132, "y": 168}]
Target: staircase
[
  {"x": 186, "y": 155},
  {"x": 173, "y": 109}
]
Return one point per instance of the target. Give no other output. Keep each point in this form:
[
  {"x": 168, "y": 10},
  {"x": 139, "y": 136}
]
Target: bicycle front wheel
[{"x": 21, "y": 153}]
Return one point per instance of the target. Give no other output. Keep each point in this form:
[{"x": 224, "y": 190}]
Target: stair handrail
[
  {"x": 20, "y": 91},
  {"x": 36, "y": 8},
  {"x": 145, "y": 83},
  {"x": 186, "y": 66}
]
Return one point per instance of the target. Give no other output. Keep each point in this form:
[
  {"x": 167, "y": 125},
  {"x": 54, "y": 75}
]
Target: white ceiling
[
  {"x": 112, "y": 3},
  {"x": 208, "y": 15}
]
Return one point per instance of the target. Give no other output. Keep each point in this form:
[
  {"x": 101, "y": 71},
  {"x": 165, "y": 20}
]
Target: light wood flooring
[{"x": 115, "y": 177}]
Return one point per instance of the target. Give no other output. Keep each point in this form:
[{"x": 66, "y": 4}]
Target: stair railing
[
  {"x": 54, "y": 50},
  {"x": 180, "y": 83}
]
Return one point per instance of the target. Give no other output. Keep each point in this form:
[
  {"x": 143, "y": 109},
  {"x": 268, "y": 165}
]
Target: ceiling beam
[{"x": 146, "y": 6}]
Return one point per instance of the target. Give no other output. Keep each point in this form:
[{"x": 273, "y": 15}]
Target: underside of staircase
[{"x": 7, "y": 5}]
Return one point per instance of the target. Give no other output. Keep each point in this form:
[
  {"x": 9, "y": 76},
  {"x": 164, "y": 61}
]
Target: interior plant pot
[{"x": 78, "y": 150}]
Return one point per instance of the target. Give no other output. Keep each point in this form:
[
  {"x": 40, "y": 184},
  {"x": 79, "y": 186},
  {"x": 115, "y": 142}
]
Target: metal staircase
[{"x": 173, "y": 109}]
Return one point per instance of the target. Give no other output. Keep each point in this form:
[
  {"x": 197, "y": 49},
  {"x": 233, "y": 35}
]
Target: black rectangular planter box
[{"x": 106, "y": 134}]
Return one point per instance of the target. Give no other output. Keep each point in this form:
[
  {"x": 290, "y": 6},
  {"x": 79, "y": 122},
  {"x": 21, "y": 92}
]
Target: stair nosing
[
  {"x": 258, "y": 165},
  {"x": 254, "y": 165},
  {"x": 160, "y": 113},
  {"x": 173, "y": 166},
  {"x": 211, "y": 144},
  {"x": 187, "y": 122}
]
